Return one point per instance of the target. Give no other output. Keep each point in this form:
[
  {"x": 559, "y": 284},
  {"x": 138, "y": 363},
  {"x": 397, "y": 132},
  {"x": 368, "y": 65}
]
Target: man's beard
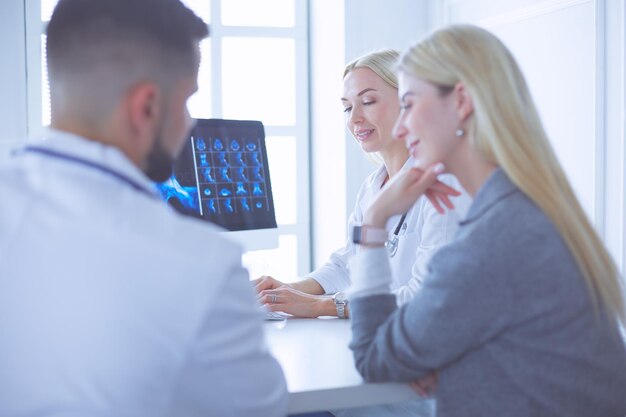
[{"x": 159, "y": 163}]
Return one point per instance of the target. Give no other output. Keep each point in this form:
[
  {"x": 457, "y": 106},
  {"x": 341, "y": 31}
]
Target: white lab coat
[
  {"x": 424, "y": 231},
  {"x": 111, "y": 304}
]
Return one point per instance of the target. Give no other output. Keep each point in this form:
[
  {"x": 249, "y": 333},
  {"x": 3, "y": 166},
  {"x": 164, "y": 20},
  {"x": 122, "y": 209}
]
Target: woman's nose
[
  {"x": 399, "y": 131},
  {"x": 356, "y": 116}
]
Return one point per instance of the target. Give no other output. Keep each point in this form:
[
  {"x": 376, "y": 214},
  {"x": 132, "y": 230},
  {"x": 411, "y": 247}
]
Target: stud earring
[{"x": 459, "y": 133}]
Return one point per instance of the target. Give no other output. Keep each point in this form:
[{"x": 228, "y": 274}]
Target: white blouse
[{"x": 422, "y": 233}]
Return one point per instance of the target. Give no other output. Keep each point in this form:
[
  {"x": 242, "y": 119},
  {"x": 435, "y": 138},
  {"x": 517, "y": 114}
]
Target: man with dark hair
[{"x": 111, "y": 304}]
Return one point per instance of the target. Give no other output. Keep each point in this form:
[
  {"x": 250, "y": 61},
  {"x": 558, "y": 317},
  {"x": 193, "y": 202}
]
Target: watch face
[
  {"x": 356, "y": 234},
  {"x": 340, "y": 297}
]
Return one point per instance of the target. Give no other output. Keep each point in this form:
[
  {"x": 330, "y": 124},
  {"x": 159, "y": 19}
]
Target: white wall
[
  {"x": 572, "y": 53},
  {"x": 612, "y": 74},
  {"x": 13, "y": 115},
  {"x": 328, "y": 150},
  {"x": 340, "y": 32}
]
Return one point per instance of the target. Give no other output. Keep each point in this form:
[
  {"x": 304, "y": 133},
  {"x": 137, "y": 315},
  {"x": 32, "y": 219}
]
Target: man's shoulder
[{"x": 185, "y": 233}]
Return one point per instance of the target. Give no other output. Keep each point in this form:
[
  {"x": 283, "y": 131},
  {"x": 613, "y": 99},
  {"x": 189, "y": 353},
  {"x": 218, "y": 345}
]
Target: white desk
[{"x": 319, "y": 367}]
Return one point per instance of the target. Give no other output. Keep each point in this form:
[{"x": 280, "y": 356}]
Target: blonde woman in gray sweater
[{"x": 520, "y": 314}]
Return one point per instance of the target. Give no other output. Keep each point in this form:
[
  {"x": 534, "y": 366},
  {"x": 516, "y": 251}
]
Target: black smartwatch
[{"x": 369, "y": 236}]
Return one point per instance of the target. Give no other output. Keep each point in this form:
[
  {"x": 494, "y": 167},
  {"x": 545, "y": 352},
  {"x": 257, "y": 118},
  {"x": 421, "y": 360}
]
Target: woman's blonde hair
[
  {"x": 383, "y": 62},
  {"x": 507, "y": 130}
]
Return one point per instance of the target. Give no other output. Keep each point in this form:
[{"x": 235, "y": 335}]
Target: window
[{"x": 254, "y": 66}]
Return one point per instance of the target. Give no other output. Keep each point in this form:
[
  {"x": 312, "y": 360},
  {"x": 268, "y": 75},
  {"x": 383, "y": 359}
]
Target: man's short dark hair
[{"x": 109, "y": 42}]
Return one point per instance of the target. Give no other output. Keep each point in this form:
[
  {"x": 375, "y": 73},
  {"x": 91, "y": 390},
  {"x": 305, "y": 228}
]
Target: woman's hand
[
  {"x": 266, "y": 283},
  {"x": 425, "y": 386},
  {"x": 401, "y": 192},
  {"x": 440, "y": 193},
  {"x": 297, "y": 303}
]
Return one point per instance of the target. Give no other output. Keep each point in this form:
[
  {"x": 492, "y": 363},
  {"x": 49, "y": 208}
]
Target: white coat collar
[
  {"x": 381, "y": 173},
  {"x": 98, "y": 153}
]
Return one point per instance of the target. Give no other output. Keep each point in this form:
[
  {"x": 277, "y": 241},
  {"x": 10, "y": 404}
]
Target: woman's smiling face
[
  {"x": 427, "y": 122},
  {"x": 371, "y": 108}
]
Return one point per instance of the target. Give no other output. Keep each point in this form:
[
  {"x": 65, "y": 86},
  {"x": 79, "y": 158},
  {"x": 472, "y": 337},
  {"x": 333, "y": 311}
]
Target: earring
[{"x": 459, "y": 133}]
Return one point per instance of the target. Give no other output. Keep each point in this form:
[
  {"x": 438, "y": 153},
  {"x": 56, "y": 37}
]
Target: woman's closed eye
[{"x": 347, "y": 109}]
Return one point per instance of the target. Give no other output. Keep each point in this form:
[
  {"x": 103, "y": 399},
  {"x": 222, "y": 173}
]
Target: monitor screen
[{"x": 222, "y": 176}]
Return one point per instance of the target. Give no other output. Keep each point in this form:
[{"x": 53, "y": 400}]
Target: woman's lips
[
  {"x": 411, "y": 146},
  {"x": 363, "y": 134}
]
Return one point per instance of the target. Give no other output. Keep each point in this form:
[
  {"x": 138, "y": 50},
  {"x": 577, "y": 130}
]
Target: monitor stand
[{"x": 257, "y": 239}]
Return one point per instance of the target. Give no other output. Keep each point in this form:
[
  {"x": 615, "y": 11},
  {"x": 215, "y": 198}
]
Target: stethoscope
[
  {"x": 93, "y": 165},
  {"x": 392, "y": 244}
]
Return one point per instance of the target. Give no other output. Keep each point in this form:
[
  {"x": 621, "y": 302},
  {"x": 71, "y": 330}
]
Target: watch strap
[
  {"x": 369, "y": 236},
  {"x": 341, "y": 302}
]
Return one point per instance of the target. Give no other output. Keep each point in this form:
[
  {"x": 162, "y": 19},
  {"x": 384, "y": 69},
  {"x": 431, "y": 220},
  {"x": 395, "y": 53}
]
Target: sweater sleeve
[{"x": 459, "y": 307}]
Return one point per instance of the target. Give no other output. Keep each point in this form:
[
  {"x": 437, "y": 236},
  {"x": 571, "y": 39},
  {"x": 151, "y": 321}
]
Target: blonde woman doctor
[{"x": 371, "y": 107}]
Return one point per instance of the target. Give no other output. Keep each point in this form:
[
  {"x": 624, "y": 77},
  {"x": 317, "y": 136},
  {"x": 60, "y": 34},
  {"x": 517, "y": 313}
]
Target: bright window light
[
  {"x": 281, "y": 154},
  {"x": 270, "y": 13},
  {"x": 200, "y": 103},
  {"x": 201, "y": 7},
  {"x": 259, "y": 80},
  {"x": 47, "y": 6},
  {"x": 45, "y": 85}
]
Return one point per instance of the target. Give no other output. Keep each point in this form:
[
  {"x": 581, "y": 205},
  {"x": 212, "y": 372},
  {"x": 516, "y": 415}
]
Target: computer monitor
[{"x": 222, "y": 176}]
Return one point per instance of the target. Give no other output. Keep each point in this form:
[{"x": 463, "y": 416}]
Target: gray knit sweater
[{"x": 504, "y": 316}]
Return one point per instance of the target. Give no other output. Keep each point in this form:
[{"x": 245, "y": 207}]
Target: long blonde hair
[
  {"x": 383, "y": 62},
  {"x": 507, "y": 130}
]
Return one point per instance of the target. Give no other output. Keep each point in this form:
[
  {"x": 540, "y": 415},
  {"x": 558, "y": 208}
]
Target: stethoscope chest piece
[{"x": 392, "y": 246}]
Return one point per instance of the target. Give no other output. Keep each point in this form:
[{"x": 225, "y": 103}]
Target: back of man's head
[{"x": 98, "y": 49}]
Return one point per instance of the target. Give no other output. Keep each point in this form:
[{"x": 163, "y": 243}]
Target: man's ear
[
  {"x": 144, "y": 107},
  {"x": 463, "y": 101}
]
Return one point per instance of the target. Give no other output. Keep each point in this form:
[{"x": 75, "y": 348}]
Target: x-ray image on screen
[{"x": 222, "y": 176}]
